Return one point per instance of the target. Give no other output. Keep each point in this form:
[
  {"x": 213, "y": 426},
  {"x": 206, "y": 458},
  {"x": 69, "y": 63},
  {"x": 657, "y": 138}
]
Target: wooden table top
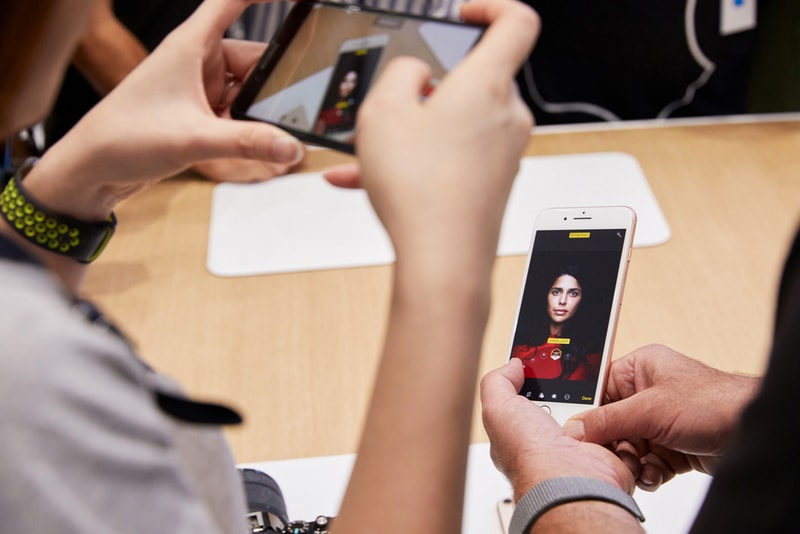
[{"x": 295, "y": 353}]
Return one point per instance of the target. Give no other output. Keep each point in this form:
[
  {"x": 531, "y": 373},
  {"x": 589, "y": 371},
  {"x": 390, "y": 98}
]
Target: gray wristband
[{"x": 550, "y": 493}]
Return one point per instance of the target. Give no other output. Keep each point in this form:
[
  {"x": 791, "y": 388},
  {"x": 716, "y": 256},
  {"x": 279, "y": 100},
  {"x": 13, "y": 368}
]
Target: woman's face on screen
[{"x": 564, "y": 298}]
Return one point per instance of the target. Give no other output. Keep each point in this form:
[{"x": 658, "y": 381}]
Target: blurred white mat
[
  {"x": 301, "y": 223},
  {"x": 315, "y": 486}
]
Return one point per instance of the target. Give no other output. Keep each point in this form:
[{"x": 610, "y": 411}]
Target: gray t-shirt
[{"x": 85, "y": 445}]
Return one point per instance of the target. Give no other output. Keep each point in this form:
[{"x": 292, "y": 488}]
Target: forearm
[
  {"x": 586, "y": 516},
  {"x": 63, "y": 191},
  {"x": 108, "y": 50},
  {"x": 739, "y": 391},
  {"x": 411, "y": 463}
]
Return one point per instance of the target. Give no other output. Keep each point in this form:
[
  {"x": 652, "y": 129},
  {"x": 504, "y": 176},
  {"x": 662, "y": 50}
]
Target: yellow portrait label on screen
[{"x": 579, "y": 235}]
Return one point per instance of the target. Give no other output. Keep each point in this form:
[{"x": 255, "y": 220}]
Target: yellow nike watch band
[{"x": 80, "y": 240}]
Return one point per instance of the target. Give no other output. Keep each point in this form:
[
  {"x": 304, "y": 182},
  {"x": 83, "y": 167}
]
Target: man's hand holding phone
[
  {"x": 677, "y": 411},
  {"x": 529, "y": 446}
]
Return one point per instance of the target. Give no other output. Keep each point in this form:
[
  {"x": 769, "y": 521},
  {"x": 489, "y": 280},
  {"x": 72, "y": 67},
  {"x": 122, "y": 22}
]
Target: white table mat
[{"x": 301, "y": 223}]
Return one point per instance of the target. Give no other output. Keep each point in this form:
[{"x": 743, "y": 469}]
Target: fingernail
[
  {"x": 575, "y": 429},
  {"x": 287, "y": 150},
  {"x": 646, "y": 480}
]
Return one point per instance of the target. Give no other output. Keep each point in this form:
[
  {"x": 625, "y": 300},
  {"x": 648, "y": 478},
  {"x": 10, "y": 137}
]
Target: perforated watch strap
[
  {"x": 551, "y": 493},
  {"x": 80, "y": 240}
]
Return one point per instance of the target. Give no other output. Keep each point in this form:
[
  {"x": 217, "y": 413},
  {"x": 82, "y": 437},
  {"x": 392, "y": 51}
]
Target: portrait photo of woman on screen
[{"x": 555, "y": 337}]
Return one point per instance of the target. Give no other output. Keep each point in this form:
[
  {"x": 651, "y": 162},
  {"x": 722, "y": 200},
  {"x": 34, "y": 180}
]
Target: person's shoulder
[
  {"x": 81, "y": 415},
  {"x": 49, "y": 343},
  {"x": 67, "y": 380}
]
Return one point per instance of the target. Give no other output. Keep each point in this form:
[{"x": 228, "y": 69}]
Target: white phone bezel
[
  {"x": 376, "y": 40},
  {"x": 585, "y": 218}
]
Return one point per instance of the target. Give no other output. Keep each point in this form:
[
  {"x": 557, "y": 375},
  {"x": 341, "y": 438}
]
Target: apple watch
[
  {"x": 550, "y": 493},
  {"x": 80, "y": 240}
]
